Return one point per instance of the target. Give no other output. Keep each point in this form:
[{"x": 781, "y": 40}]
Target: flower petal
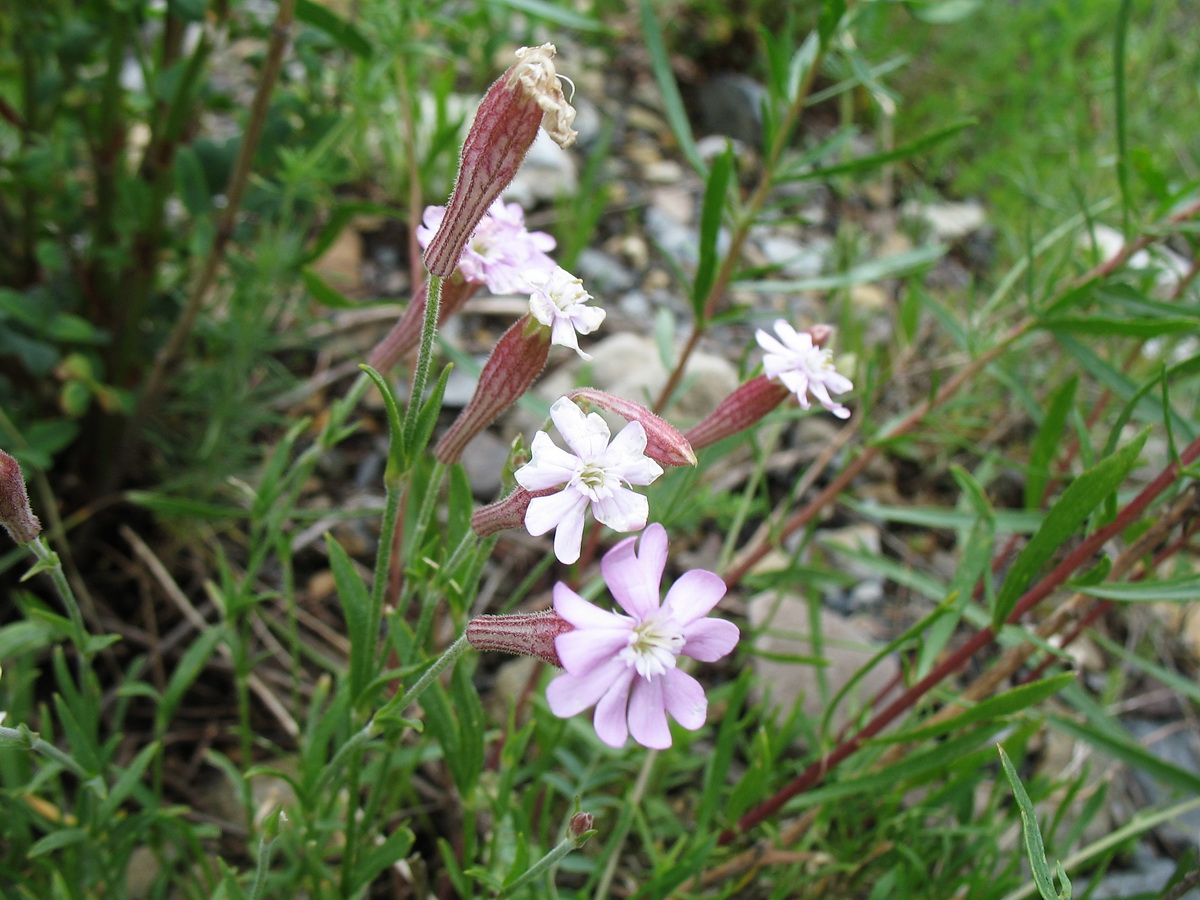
[
  {"x": 684, "y": 699},
  {"x": 582, "y": 651},
  {"x": 648, "y": 714},
  {"x": 568, "y": 537},
  {"x": 708, "y": 639},
  {"x": 569, "y": 695},
  {"x": 633, "y": 577},
  {"x": 582, "y": 614},
  {"x": 550, "y": 466},
  {"x": 622, "y": 510},
  {"x": 693, "y": 595},
  {"x": 610, "y": 717},
  {"x": 552, "y": 510},
  {"x": 586, "y": 435}
]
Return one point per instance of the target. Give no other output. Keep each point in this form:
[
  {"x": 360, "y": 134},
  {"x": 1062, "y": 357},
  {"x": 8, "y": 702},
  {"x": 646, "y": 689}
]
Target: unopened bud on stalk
[
  {"x": 525, "y": 634},
  {"x": 524, "y": 97},
  {"x": 406, "y": 333},
  {"x": 15, "y": 515},
  {"x": 580, "y": 824},
  {"x": 747, "y": 405},
  {"x": 664, "y": 444},
  {"x": 516, "y": 361},
  {"x": 506, "y": 513}
]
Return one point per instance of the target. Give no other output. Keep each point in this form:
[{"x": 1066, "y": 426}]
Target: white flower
[
  {"x": 559, "y": 301},
  {"x": 595, "y": 474},
  {"x": 802, "y": 367}
]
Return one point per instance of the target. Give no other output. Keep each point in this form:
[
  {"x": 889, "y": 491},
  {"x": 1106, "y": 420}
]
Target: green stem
[
  {"x": 433, "y": 303},
  {"x": 551, "y": 859},
  {"x": 49, "y": 562},
  {"x": 398, "y": 704}
]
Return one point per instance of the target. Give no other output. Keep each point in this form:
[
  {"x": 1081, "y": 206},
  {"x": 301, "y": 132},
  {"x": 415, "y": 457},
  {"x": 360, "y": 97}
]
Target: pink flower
[
  {"x": 594, "y": 475},
  {"x": 559, "y": 301},
  {"x": 626, "y": 665},
  {"x": 500, "y": 251},
  {"x": 803, "y": 367}
]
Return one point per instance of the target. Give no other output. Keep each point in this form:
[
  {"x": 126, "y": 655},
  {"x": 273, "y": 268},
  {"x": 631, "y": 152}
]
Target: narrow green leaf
[
  {"x": 397, "y": 453},
  {"x": 876, "y": 160},
  {"x": 57, "y": 840},
  {"x": 128, "y": 780},
  {"x": 715, "y": 191},
  {"x": 1046, "y": 443},
  {"x": 368, "y": 867},
  {"x": 553, "y": 12},
  {"x": 1077, "y": 502},
  {"x": 1175, "y": 590},
  {"x": 660, "y": 64},
  {"x": 829, "y": 19},
  {"x": 356, "y": 607},
  {"x": 1183, "y": 685},
  {"x": 183, "y": 506},
  {"x": 428, "y": 415},
  {"x": 190, "y": 665},
  {"x": 344, "y": 33},
  {"x": 1140, "y": 329},
  {"x": 1000, "y": 706},
  {"x": 1007, "y": 521},
  {"x": 83, "y": 747},
  {"x": 323, "y": 292},
  {"x": 872, "y": 270},
  {"x": 1124, "y": 748},
  {"x": 1034, "y": 848}
]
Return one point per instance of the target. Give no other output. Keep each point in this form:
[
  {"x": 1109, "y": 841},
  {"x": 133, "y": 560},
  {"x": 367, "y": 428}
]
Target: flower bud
[
  {"x": 517, "y": 360},
  {"x": 741, "y": 409},
  {"x": 15, "y": 515},
  {"x": 580, "y": 824},
  {"x": 524, "y": 97},
  {"x": 664, "y": 444},
  {"x": 525, "y": 634},
  {"x": 406, "y": 333},
  {"x": 506, "y": 513}
]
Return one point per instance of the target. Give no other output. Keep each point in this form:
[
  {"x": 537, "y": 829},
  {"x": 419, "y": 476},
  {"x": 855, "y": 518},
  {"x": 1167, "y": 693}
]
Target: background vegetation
[{"x": 198, "y": 713}]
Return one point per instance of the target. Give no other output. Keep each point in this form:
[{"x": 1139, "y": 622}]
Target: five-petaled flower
[
  {"x": 627, "y": 664},
  {"x": 803, "y": 367},
  {"x": 501, "y": 250},
  {"x": 595, "y": 474},
  {"x": 559, "y": 301}
]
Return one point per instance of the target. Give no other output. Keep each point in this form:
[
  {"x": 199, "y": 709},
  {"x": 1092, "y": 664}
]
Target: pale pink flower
[
  {"x": 803, "y": 367},
  {"x": 559, "y": 301},
  {"x": 594, "y": 475},
  {"x": 627, "y": 664},
  {"x": 500, "y": 251}
]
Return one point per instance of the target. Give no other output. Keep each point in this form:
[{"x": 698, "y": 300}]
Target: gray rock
[
  {"x": 780, "y": 624},
  {"x": 731, "y": 104},
  {"x": 605, "y": 277},
  {"x": 483, "y": 459},
  {"x": 547, "y": 172},
  {"x": 948, "y": 222}
]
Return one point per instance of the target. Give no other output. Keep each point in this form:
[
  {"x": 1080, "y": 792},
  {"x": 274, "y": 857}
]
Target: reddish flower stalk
[
  {"x": 515, "y": 363},
  {"x": 524, "y": 97},
  {"x": 406, "y": 333},
  {"x": 525, "y": 634},
  {"x": 506, "y": 513},
  {"x": 746, "y": 406},
  {"x": 15, "y": 513},
  {"x": 664, "y": 444}
]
